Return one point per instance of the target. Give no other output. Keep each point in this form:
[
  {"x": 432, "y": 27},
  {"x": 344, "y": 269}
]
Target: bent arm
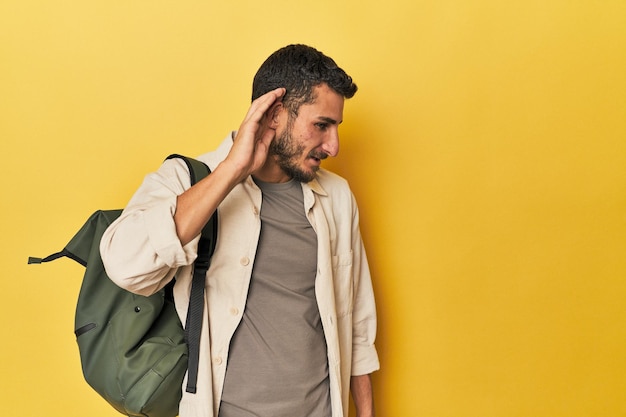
[
  {"x": 158, "y": 230},
  {"x": 196, "y": 205},
  {"x": 249, "y": 152},
  {"x": 140, "y": 250}
]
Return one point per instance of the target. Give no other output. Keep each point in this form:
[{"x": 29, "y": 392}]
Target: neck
[{"x": 271, "y": 172}]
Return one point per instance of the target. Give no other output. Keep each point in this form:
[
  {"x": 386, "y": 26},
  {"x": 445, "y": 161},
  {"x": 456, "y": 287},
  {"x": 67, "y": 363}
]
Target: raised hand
[
  {"x": 249, "y": 152},
  {"x": 254, "y": 136}
]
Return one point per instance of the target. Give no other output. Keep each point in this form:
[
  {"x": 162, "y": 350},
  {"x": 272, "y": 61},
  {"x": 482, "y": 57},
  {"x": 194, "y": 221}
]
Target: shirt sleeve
[
  {"x": 364, "y": 355},
  {"x": 141, "y": 251}
]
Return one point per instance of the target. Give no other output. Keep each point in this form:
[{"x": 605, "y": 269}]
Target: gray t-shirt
[{"x": 278, "y": 365}]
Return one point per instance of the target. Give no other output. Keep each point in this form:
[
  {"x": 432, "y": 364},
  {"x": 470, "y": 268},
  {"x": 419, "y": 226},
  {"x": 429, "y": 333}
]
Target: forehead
[{"x": 327, "y": 103}]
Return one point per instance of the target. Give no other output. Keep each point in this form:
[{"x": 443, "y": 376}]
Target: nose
[{"x": 331, "y": 144}]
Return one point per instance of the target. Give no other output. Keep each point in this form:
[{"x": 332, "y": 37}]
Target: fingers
[
  {"x": 253, "y": 128},
  {"x": 254, "y": 136},
  {"x": 266, "y": 138},
  {"x": 259, "y": 107}
]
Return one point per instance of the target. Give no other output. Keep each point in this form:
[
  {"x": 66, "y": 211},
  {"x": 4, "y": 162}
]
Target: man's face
[{"x": 311, "y": 136}]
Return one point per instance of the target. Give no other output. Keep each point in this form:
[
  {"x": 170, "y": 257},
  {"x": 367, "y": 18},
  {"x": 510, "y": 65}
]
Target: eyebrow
[{"x": 329, "y": 120}]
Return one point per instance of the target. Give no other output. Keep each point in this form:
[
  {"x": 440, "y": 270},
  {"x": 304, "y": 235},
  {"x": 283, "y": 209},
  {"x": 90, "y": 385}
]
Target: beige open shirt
[{"x": 141, "y": 253}]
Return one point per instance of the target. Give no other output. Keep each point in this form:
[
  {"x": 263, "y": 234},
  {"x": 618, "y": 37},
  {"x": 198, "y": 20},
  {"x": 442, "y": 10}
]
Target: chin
[
  {"x": 299, "y": 172},
  {"x": 304, "y": 176}
]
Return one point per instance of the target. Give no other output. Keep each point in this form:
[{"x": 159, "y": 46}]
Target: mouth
[
  {"x": 318, "y": 157},
  {"x": 315, "y": 162}
]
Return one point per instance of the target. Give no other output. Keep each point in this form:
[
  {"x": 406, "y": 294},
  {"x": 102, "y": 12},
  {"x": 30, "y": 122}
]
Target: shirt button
[
  {"x": 244, "y": 261},
  {"x": 217, "y": 361},
  {"x": 234, "y": 311},
  {"x": 255, "y": 210}
]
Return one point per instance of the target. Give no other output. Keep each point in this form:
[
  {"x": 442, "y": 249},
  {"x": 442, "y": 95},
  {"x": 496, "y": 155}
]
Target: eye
[{"x": 321, "y": 125}]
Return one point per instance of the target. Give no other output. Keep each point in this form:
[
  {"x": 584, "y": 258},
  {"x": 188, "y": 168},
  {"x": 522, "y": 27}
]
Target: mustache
[{"x": 318, "y": 155}]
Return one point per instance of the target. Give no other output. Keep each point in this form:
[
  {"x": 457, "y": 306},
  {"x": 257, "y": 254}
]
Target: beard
[{"x": 288, "y": 154}]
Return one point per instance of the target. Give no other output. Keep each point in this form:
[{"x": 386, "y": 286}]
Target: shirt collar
[{"x": 315, "y": 186}]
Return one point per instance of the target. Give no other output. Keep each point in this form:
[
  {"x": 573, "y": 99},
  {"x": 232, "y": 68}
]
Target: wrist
[{"x": 231, "y": 172}]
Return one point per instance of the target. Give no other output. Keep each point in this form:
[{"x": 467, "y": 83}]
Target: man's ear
[{"x": 275, "y": 114}]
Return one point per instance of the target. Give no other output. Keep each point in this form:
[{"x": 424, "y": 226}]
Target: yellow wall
[{"x": 487, "y": 149}]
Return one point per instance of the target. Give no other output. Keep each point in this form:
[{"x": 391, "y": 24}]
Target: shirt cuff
[
  {"x": 161, "y": 230},
  {"x": 364, "y": 360}
]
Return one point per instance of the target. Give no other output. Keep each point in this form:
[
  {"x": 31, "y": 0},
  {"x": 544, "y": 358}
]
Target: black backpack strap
[
  {"x": 206, "y": 246},
  {"x": 49, "y": 258},
  {"x": 197, "y": 169}
]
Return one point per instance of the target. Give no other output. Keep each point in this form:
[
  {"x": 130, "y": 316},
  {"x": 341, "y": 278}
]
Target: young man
[{"x": 290, "y": 318}]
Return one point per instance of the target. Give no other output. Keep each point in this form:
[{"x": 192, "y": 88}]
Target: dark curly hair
[{"x": 300, "y": 68}]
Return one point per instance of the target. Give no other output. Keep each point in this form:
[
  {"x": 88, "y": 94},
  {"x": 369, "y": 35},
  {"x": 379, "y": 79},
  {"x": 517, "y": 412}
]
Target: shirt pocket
[{"x": 343, "y": 283}]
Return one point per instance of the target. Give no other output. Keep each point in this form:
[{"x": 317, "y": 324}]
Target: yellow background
[{"x": 487, "y": 149}]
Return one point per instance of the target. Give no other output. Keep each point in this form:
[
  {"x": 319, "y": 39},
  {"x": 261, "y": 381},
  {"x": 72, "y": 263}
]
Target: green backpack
[{"x": 134, "y": 351}]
